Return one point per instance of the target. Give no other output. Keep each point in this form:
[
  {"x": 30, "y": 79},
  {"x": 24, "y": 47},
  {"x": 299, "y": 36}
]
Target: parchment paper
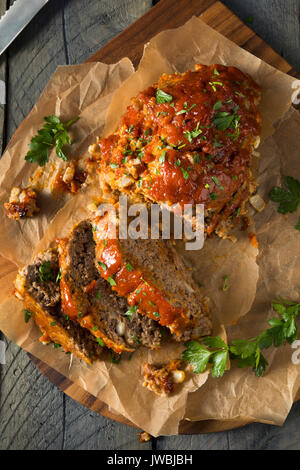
[{"x": 256, "y": 276}]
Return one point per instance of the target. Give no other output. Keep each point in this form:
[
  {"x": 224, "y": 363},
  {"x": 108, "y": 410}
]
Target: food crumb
[
  {"x": 22, "y": 203},
  {"x": 144, "y": 437},
  {"x": 162, "y": 380},
  {"x": 253, "y": 239}
]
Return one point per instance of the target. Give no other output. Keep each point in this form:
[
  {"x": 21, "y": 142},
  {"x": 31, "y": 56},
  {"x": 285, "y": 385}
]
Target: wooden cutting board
[{"x": 130, "y": 43}]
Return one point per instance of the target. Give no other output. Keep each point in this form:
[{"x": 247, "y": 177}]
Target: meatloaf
[
  {"x": 38, "y": 286},
  {"x": 188, "y": 139},
  {"x": 153, "y": 279},
  {"x": 88, "y": 298}
]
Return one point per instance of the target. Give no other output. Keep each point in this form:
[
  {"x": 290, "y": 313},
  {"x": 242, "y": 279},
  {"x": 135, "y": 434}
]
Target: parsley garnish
[
  {"x": 129, "y": 267},
  {"x": 225, "y": 285},
  {"x": 111, "y": 281},
  {"x": 212, "y": 84},
  {"x": 190, "y": 135},
  {"x": 185, "y": 173},
  {"x": 163, "y": 97},
  {"x": 100, "y": 341},
  {"x": 288, "y": 200},
  {"x": 45, "y": 271},
  {"x": 103, "y": 266},
  {"x": 59, "y": 274},
  {"x": 53, "y": 133},
  {"x": 213, "y": 196},
  {"x": 224, "y": 119},
  {"x": 114, "y": 165},
  {"x": 114, "y": 358},
  {"x": 247, "y": 352},
  {"x": 185, "y": 109},
  {"x": 131, "y": 311},
  {"x": 27, "y": 315},
  {"x": 217, "y": 105}
]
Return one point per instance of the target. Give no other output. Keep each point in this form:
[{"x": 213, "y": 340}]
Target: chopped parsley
[
  {"x": 111, "y": 281},
  {"x": 131, "y": 311},
  {"x": 212, "y": 84},
  {"x": 225, "y": 285},
  {"x": 162, "y": 158},
  {"x": 217, "y": 105},
  {"x": 213, "y": 196},
  {"x": 100, "y": 341},
  {"x": 185, "y": 109},
  {"x": 224, "y": 119},
  {"x": 288, "y": 198},
  {"x": 114, "y": 165},
  {"x": 163, "y": 97},
  {"x": 184, "y": 173},
  {"x": 103, "y": 266},
  {"x": 27, "y": 315},
  {"x": 190, "y": 135},
  {"x": 129, "y": 267},
  {"x": 45, "y": 271},
  {"x": 59, "y": 274}
]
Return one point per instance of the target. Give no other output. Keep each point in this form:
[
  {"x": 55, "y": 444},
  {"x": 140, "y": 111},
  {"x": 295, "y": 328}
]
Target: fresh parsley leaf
[
  {"x": 163, "y": 97},
  {"x": 114, "y": 358},
  {"x": 197, "y": 355},
  {"x": 27, "y": 315},
  {"x": 219, "y": 361},
  {"x": 52, "y": 134},
  {"x": 288, "y": 200},
  {"x": 247, "y": 352},
  {"x": 217, "y": 105},
  {"x": 111, "y": 281},
  {"x": 101, "y": 342},
  {"x": 190, "y": 135},
  {"x": 225, "y": 285},
  {"x": 131, "y": 311},
  {"x": 45, "y": 271}
]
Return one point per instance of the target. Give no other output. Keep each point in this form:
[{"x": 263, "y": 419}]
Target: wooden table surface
[{"x": 34, "y": 414}]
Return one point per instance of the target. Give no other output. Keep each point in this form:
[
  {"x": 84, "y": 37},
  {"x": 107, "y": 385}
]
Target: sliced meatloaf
[
  {"x": 88, "y": 298},
  {"x": 37, "y": 285},
  {"x": 153, "y": 279}
]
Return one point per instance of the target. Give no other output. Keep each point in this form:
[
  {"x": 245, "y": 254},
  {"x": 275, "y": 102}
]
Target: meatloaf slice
[
  {"x": 152, "y": 277},
  {"x": 36, "y": 284},
  {"x": 88, "y": 298}
]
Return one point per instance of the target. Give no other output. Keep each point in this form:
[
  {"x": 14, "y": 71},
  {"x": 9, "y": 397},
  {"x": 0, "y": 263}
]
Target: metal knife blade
[{"x": 16, "y": 18}]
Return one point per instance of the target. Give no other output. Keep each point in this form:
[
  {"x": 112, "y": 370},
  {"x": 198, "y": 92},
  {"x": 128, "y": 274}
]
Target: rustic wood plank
[
  {"x": 276, "y": 21},
  {"x": 89, "y": 25}
]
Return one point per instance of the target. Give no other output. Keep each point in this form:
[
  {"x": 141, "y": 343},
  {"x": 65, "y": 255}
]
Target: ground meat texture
[{"x": 41, "y": 279}]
